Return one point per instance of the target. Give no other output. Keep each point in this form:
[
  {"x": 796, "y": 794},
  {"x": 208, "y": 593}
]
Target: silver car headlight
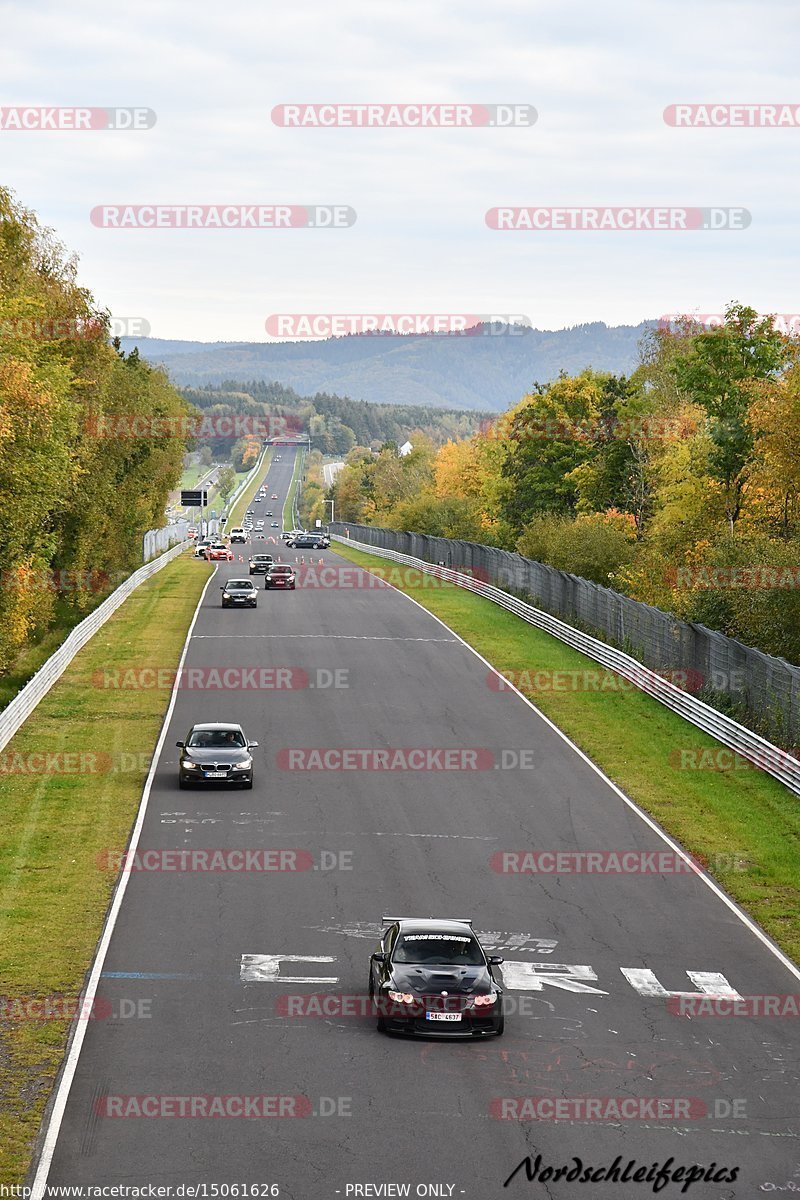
[{"x": 244, "y": 765}]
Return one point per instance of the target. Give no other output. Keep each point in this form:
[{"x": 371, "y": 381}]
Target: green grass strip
[
  {"x": 289, "y": 502},
  {"x": 236, "y": 515},
  {"x": 54, "y": 892},
  {"x": 739, "y": 822}
]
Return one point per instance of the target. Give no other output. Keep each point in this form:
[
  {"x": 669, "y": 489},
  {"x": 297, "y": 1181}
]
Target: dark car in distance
[
  {"x": 260, "y": 563},
  {"x": 433, "y": 978},
  {"x": 216, "y": 752},
  {"x": 307, "y": 541},
  {"x": 280, "y": 575}
]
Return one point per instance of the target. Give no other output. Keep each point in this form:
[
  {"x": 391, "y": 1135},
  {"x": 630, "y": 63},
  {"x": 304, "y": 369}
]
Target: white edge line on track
[
  {"x": 707, "y": 880},
  {"x": 53, "y": 1129}
]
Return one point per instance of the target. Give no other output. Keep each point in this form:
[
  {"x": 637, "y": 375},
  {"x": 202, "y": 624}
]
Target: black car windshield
[
  {"x": 281, "y": 571},
  {"x": 241, "y": 584},
  {"x": 216, "y": 739},
  {"x": 443, "y": 949}
]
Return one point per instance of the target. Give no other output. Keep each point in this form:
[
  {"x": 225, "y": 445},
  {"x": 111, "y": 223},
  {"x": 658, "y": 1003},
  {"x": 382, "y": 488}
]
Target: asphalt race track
[{"x": 194, "y": 946}]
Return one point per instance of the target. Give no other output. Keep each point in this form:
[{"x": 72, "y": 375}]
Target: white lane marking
[
  {"x": 464, "y": 837},
  {"x": 531, "y": 977},
  {"x": 347, "y": 637},
  {"x": 265, "y": 968},
  {"x": 490, "y": 939},
  {"x": 503, "y": 939},
  {"x": 709, "y": 982},
  {"x": 673, "y": 845},
  {"x": 79, "y": 1029}
]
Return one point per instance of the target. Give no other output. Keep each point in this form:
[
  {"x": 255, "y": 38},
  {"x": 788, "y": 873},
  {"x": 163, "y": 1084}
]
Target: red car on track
[{"x": 219, "y": 554}]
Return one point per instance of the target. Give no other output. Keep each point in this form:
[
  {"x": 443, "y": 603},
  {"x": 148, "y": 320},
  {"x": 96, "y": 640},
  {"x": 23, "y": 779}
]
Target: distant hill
[{"x": 483, "y": 371}]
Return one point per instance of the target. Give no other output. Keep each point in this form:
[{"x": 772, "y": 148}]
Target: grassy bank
[
  {"x": 57, "y": 820},
  {"x": 742, "y": 824},
  {"x": 287, "y": 519},
  {"x": 236, "y": 515}
]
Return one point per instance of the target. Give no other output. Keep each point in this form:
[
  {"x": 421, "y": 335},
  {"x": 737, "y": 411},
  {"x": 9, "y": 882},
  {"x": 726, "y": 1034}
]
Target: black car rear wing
[{"x": 459, "y": 920}]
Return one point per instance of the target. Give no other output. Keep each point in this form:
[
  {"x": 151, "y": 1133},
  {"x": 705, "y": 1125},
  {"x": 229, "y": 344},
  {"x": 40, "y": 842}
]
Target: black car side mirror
[
  {"x": 378, "y": 958},
  {"x": 494, "y": 960},
  {"x": 180, "y": 744},
  {"x": 222, "y": 587}
]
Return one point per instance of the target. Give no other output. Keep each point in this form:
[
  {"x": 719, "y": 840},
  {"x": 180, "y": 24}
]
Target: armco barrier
[
  {"x": 734, "y": 677},
  {"x": 730, "y": 733},
  {"x": 241, "y": 487},
  {"x": 25, "y": 701}
]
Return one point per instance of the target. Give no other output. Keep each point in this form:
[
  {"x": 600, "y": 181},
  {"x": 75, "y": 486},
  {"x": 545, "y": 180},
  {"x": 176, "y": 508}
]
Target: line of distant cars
[{"x": 428, "y": 977}]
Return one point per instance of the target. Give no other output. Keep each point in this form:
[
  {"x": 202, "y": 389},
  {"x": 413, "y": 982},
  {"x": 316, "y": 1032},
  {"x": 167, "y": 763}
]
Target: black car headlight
[
  {"x": 401, "y": 997},
  {"x": 188, "y": 765},
  {"x": 485, "y": 1001}
]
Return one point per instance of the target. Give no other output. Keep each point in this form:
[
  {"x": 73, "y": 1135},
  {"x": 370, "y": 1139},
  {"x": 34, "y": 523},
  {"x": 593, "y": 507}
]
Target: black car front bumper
[{"x": 473, "y": 1022}]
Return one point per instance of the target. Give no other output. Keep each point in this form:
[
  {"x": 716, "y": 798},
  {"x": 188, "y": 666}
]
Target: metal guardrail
[
  {"x": 757, "y": 750},
  {"x": 229, "y": 503},
  {"x": 298, "y": 489},
  {"x": 25, "y": 701}
]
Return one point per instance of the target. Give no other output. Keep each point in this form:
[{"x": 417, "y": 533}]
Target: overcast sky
[{"x": 599, "y": 77}]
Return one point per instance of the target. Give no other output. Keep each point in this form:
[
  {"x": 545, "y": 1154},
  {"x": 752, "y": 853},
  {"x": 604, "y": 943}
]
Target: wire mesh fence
[
  {"x": 758, "y": 689},
  {"x": 156, "y": 541}
]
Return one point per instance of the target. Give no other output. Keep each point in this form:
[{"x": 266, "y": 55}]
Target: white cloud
[{"x": 600, "y": 77}]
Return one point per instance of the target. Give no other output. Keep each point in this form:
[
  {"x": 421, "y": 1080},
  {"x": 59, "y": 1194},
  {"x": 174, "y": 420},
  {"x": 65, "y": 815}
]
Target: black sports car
[{"x": 433, "y": 978}]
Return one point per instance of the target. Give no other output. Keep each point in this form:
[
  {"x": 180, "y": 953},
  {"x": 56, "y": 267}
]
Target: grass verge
[
  {"x": 57, "y": 820},
  {"x": 236, "y": 515},
  {"x": 740, "y": 823},
  {"x": 288, "y": 506}
]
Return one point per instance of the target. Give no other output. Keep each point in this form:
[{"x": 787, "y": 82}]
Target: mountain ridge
[{"x": 491, "y": 369}]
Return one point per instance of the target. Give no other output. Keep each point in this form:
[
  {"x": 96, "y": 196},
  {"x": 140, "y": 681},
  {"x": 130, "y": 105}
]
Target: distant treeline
[
  {"x": 678, "y": 484},
  {"x": 336, "y": 423},
  {"x": 91, "y": 440}
]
